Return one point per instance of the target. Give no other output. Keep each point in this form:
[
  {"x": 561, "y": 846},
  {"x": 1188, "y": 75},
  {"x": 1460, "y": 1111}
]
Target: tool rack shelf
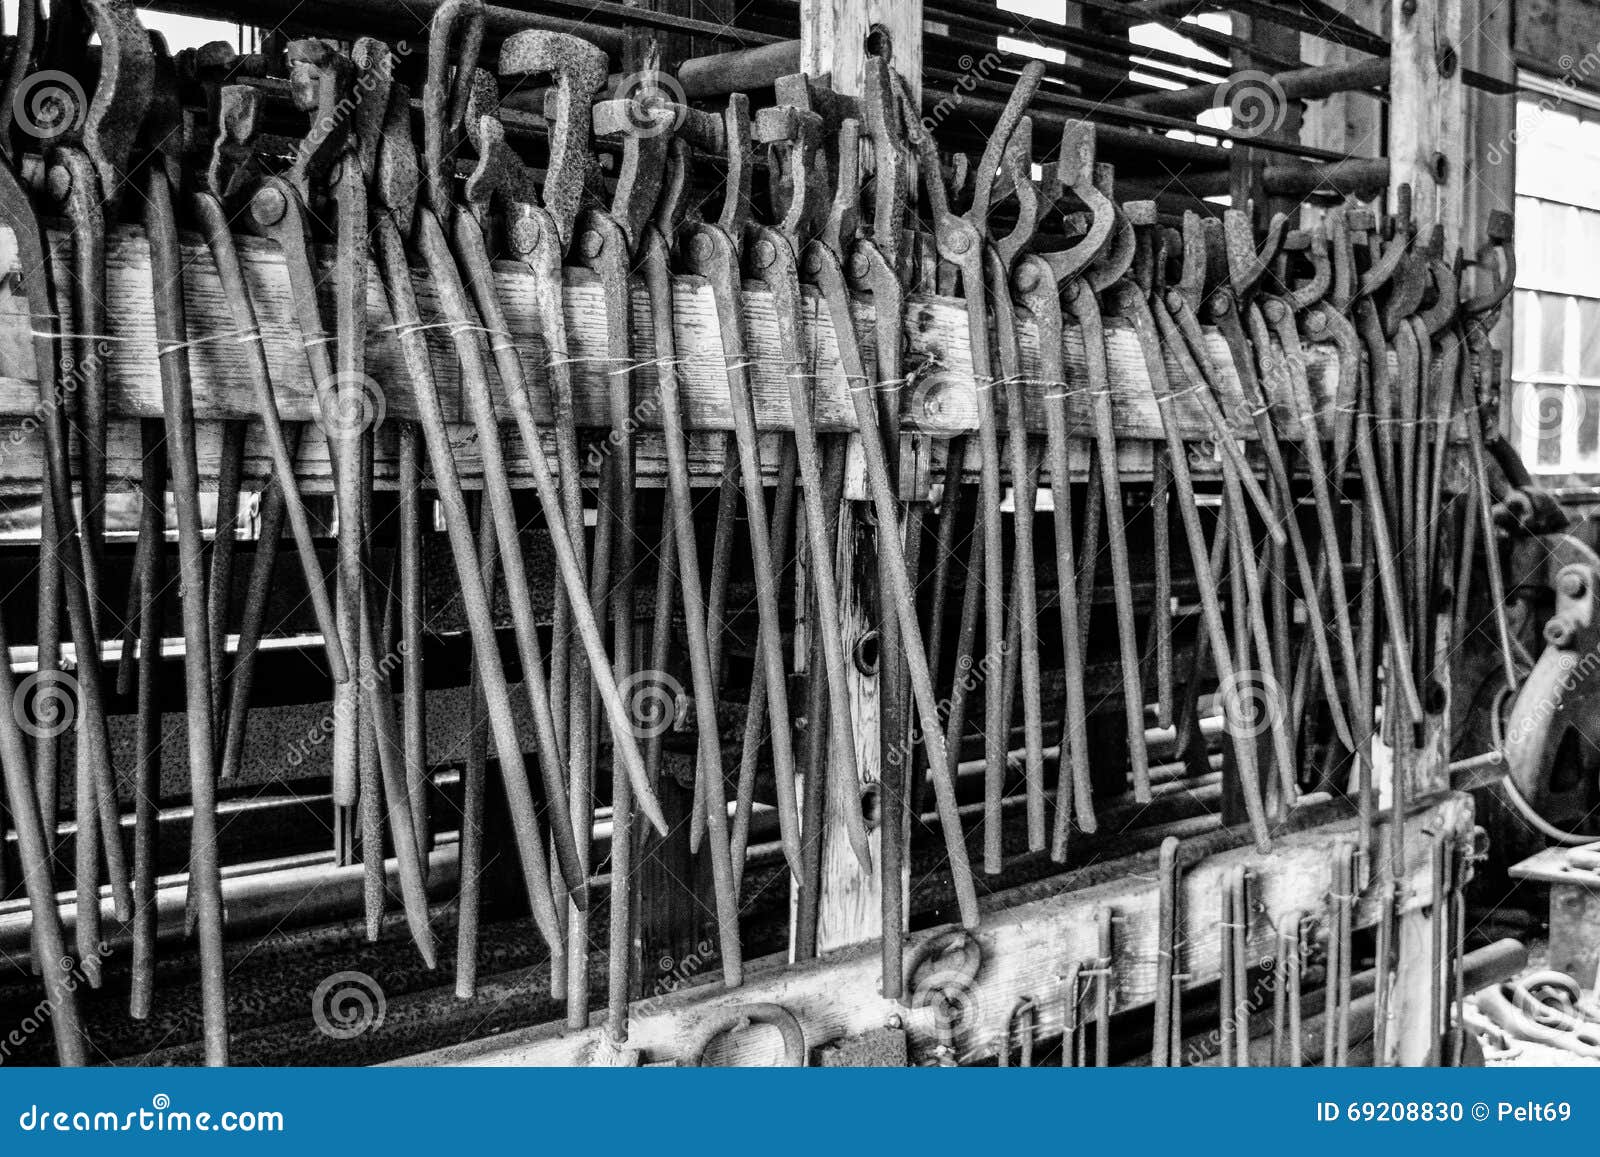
[
  {"x": 1029, "y": 936},
  {"x": 937, "y": 401}
]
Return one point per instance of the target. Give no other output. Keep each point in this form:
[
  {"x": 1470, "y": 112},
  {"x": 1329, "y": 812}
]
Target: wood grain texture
[
  {"x": 1027, "y": 944},
  {"x": 940, "y": 398}
]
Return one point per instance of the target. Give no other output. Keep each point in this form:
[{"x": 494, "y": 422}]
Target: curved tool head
[
  {"x": 1016, "y": 178},
  {"x": 987, "y": 177},
  {"x": 839, "y": 227},
  {"x": 739, "y": 154},
  {"x": 162, "y": 137},
  {"x": 1499, "y": 242},
  {"x": 1191, "y": 283},
  {"x": 455, "y": 38},
  {"x": 122, "y": 97},
  {"x": 1247, "y": 263},
  {"x": 643, "y": 121},
  {"x": 233, "y": 165},
  {"x": 891, "y": 174},
  {"x": 321, "y": 80},
  {"x": 1075, "y": 173},
  {"x": 375, "y": 85},
  {"x": 793, "y": 137},
  {"x": 1314, "y": 245},
  {"x": 578, "y": 70},
  {"x": 500, "y": 174},
  {"x": 672, "y": 206},
  {"x": 1111, "y": 264}
]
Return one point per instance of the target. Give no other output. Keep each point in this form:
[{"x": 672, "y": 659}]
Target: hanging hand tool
[
  {"x": 150, "y": 580},
  {"x": 658, "y": 282},
  {"x": 712, "y": 250},
  {"x": 1108, "y": 267},
  {"x": 461, "y": 266},
  {"x": 278, "y": 211},
  {"x": 166, "y": 266},
  {"x": 1022, "y": 617},
  {"x": 537, "y": 235},
  {"x": 88, "y": 175},
  {"x": 1131, "y": 298},
  {"x": 239, "y": 110},
  {"x": 1481, "y": 312},
  {"x": 17, "y": 212},
  {"x": 539, "y": 231},
  {"x": 823, "y": 266},
  {"x": 1037, "y": 278},
  {"x": 394, "y": 207},
  {"x": 771, "y": 257},
  {"x": 960, "y": 240}
]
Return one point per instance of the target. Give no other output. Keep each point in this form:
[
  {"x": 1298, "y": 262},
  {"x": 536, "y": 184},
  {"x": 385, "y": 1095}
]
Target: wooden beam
[
  {"x": 1027, "y": 944},
  {"x": 1427, "y": 134},
  {"x": 940, "y": 401},
  {"x": 1427, "y": 109}
]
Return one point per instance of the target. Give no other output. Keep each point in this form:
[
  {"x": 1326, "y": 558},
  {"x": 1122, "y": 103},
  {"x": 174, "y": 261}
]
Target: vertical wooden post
[
  {"x": 833, "y": 40},
  {"x": 1427, "y": 109},
  {"x": 1427, "y": 134}
]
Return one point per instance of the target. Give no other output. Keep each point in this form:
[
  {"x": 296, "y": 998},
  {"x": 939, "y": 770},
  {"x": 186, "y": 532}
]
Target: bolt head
[
  {"x": 59, "y": 182},
  {"x": 1560, "y": 632},
  {"x": 959, "y": 242},
  {"x": 699, "y": 248},
  {"x": 591, "y": 244},
  {"x": 524, "y": 235},
  {"x": 269, "y": 205},
  {"x": 764, "y": 254},
  {"x": 1572, "y": 584}
]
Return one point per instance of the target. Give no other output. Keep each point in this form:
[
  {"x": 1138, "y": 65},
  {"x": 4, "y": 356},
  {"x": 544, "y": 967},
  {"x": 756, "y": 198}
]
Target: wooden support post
[
  {"x": 834, "y": 39},
  {"x": 1427, "y": 134}
]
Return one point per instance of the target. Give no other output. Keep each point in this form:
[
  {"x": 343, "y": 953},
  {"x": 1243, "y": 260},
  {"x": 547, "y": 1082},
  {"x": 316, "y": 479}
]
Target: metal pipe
[
  {"x": 744, "y": 68},
  {"x": 1312, "y": 83}
]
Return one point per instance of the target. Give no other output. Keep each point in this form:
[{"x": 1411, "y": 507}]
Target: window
[{"x": 1555, "y": 361}]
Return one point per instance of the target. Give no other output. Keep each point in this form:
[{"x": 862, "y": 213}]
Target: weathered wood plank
[
  {"x": 1026, "y": 947},
  {"x": 940, "y": 400}
]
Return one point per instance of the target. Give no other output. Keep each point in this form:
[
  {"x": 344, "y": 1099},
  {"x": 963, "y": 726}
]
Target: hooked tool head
[
  {"x": 121, "y": 100},
  {"x": 578, "y": 69},
  {"x": 321, "y": 80}
]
